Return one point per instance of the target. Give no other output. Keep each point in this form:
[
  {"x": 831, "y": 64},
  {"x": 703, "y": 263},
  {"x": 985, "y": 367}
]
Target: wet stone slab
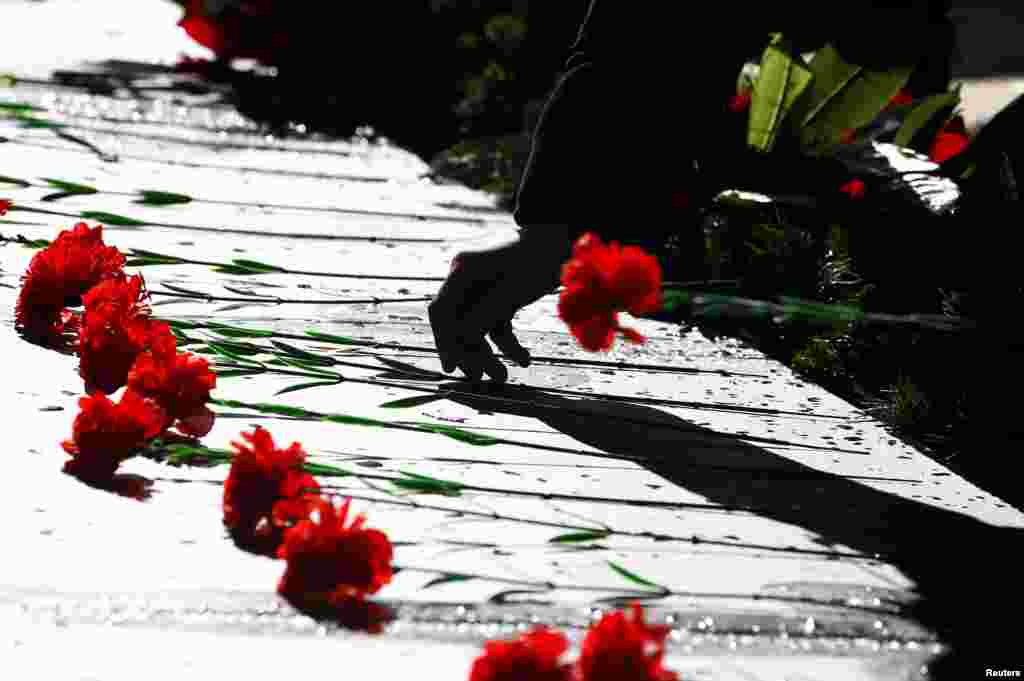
[{"x": 776, "y": 528}]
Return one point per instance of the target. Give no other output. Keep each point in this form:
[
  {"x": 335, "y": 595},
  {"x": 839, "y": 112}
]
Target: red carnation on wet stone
[
  {"x": 602, "y": 280},
  {"x": 533, "y": 656},
  {"x": 179, "y": 382},
  {"x": 115, "y": 329},
  {"x": 266, "y": 488},
  {"x": 330, "y": 561},
  {"x": 855, "y": 189},
  {"x": 622, "y": 646},
  {"x": 105, "y": 433},
  {"x": 950, "y": 140},
  {"x": 5, "y": 205},
  {"x": 59, "y": 275}
]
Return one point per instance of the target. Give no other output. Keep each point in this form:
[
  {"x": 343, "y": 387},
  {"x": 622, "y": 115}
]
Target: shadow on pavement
[{"x": 960, "y": 565}]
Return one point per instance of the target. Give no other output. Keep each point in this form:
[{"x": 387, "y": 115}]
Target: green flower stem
[
  {"x": 120, "y": 220},
  {"x": 289, "y": 301},
  {"x": 653, "y": 536}
]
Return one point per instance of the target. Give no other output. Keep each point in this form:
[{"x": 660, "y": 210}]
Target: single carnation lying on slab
[
  {"x": 266, "y": 490},
  {"x": 105, "y": 433},
  {"x": 60, "y": 274},
  {"x": 622, "y": 646},
  {"x": 179, "y": 382},
  {"x": 331, "y": 561},
  {"x": 600, "y": 281},
  {"x": 534, "y": 656},
  {"x": 115, "y": 329}
]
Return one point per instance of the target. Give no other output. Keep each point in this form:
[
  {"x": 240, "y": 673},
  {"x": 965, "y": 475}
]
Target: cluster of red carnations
[
  {"x": 119, "y": 345},
  {"x": 269, "y": 500},
  {"x": 619, "y": 647},
  {"x": 601, "y": 280}
]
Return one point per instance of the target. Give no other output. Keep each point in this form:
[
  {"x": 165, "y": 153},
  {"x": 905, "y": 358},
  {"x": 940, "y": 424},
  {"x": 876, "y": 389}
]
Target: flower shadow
[{"x": 127, "y": 485}]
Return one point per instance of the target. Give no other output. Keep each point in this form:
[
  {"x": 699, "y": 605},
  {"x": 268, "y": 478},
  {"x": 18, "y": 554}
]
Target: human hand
[{"x": 484, "y": 290}]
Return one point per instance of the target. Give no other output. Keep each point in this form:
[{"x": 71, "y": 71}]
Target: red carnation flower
[
  {"x": 106, "y": 433},
  {"x": 534, "y": 656},
  {"x": 115, "y": 329},
  {"x": 60, "y": 274},
  {"x": 266, "y": 488},
  {"x": 602, "y": 280},
  {"x": 901, "y": 98},
  {"x": 622, "y": 646},
  {"x": 5, "y": 205},
  {"x": 740, "y": 101},
  {"x": 179, "y": 382},
  {"x": 202, "y": 28},
  {"x": 950, "y": 140},
  {"x": 855, "y": 189},
  {"x": 329, "y": 561}
]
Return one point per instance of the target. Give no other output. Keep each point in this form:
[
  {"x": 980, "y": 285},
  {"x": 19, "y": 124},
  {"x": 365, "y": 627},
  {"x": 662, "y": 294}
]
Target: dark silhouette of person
[{"x": 635, "y": 139}]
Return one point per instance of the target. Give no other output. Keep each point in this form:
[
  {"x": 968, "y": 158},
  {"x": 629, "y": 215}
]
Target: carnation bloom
[
  {"x": 740, "y": 102},
  {"x": 60, "y": 274},
  {"x": 901, "y": 98},
  {"x": 179, "y": 382},
  {"x": 622, "y": 646},
  {"x": 950, "y": 140},
  {"x": 329, "y": 561},
  {"x": 855, "y": 189},
  {"x": 115, "y": 329},
  {"x": 534, "y": 656},
  {"x": 266, "y": 487},
  {"x": 5, "y": 205},
  {"x": 105, "y": 433},
  {"x": 202, "y": 28},
  {"x": 602, "y": 280}
]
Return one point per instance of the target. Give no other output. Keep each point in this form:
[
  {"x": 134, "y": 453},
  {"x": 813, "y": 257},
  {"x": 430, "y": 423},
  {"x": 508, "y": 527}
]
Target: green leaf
[
  {"x": 31, "y": 122},
  {"x": 301, "y": 354},
  {"x": 19, "y": 107},
  {"x": 246, "y": 349},
  {"x": 15, "y": 181},
  {"x": 280, "y": 409},
  {"x": 346, "y": 420},
  {"x": 672, "y": 300},
  {"x": 112, "y": 219},
  {"x": 238, "y": 331},
  {"x": 447, "y": 579},
  {"x": 783, "y": 79},
  {"x": 234, "y": 269},
  {"x": 330, "y": 338},
  {"x": 145, "y": 262},
  {"x": 575, "y": 537},
  {"x": 151, "y": 197},
  {"x": 67, "y": 189},
  {"x": 178, "y": 324},
  {"x": 303, "y": 386},
  {"x": 427, "y": 485},
  {"x": 325, "y": 470},
  {"x": 842, "y": 96},
  {"x": 256, "y": 265},
  {"x": 923, "y": 114},
  {"x": 221, "y": 350},
  {"x": 464, "y": 436},
  {"x": 417, "y": 401},
  {"x": 633, "y": 577},
  {"x": 231, "y": 373}
]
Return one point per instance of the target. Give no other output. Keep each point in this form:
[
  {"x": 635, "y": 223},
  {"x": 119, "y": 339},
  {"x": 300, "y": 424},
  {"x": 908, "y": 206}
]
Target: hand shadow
[{"x": 942, "y": 551}]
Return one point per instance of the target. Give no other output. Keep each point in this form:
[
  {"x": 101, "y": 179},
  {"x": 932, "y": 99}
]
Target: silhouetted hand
[{"x": 484, "y": 290}]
